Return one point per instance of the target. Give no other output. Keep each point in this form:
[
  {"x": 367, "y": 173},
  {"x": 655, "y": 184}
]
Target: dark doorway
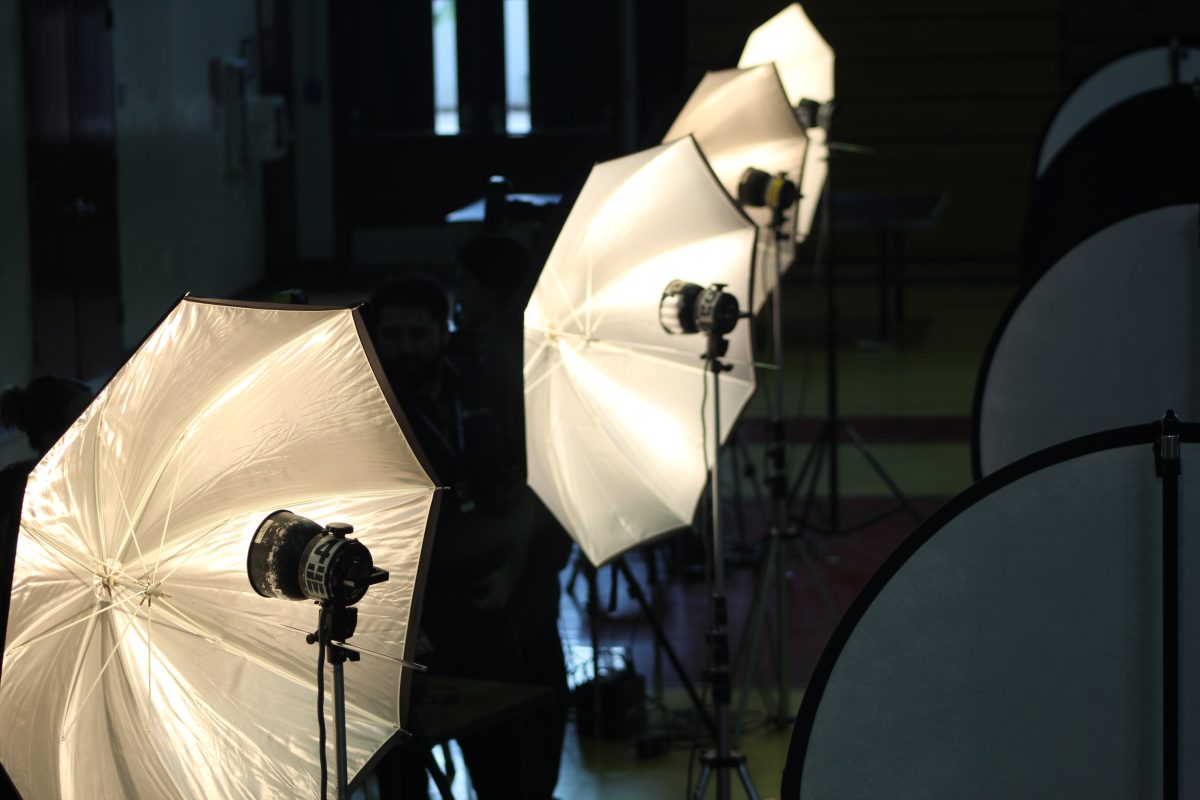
[
  {"x": 279, "y": 176},
  {"x": 72, "y": 173}
]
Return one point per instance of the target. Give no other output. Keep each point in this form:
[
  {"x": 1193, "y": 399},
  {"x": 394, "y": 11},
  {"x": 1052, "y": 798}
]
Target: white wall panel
[{"x": 186, "y": 222}]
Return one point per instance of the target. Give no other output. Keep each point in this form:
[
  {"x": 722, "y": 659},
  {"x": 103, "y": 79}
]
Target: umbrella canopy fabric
[
  {"x": 804, "y": 58},
  {"x": 139, "y": 662},
  {"x": 741, "y": 118},
  {"x": 613, "y": 403}
]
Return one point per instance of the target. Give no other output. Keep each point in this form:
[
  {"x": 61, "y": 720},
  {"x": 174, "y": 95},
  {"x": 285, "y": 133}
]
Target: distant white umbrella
[
  {"x": 613, "y": 402},
  {"x": 805, "y": 62},
  {"x": 741, "y": 119},
  {"x": 139, "y": 661},
  {"x": 803, "y": 57}
]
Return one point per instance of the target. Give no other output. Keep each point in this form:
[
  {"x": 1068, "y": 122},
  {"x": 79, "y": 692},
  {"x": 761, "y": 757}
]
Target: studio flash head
[
  {"x": 293, "y": 558},
  {"x": 690, "y": 308},
  {"x": 761, "y": 189}
]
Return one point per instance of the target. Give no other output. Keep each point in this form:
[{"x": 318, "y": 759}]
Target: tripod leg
[
  {"x": 884, "y": 282},
  {"x": 705, "y": 774},
  {"x": 747, "y": 784},
  {"x": 858, "y": 442},
  {"x": 813, "y": 453},
  {"x": 822, "y": 588},
  {"x": 818, "y": 447},
  {"x": 782, "y": 671},
  {"x": 593, "y": 611},
  {"x": 635, "y": 591},
  {"x": 439, "y": 778},
  {"x": 734, "y": 448},
  {"x": 898, "y": 284},
  {"x": 574, "y": 574},
  {"x": 748, "y": 647},
  {"x": 656, "y": 603},
  {"x": 834, "y": 492}
]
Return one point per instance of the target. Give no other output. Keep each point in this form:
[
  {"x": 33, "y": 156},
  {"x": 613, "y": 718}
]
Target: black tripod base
[
  {"x": 824, "y": 449},
  {"x": 711, "y": 760}
]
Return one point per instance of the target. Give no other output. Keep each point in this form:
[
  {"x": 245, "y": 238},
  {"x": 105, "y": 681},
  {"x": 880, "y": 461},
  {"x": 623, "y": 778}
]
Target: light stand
[
  {"x": 723, "y": 758},
  {"x": 335, "y": 623},
  {"x": 689, "y": 308},
  {"x": 773, "y": 562},
  {"x": 1167, "y": 467},
  {"x": 293, "y": 558},
  {"x": 833, "y": 427}
]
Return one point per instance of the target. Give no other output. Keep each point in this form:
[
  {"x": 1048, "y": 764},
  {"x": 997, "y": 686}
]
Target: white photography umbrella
[
  {"x": 139, "y": 662},
  {"x": 612, "y": 401},
  {"x": 805, "y": 63},
  {"x": 741, "y": 119},
  {"x": 804, "y": 58}
]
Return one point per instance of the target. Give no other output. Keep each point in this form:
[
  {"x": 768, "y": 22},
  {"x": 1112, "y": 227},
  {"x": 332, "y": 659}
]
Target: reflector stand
[{"x": 1167, "y": 466}]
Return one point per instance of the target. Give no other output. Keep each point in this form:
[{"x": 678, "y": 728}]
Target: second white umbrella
[{"x": 615, "y": 425}]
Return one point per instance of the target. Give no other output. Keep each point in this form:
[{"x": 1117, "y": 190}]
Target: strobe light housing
[
  {"x": 294, "y": 558},
  {"x": 811, "y": 113},
  {"x": 690, "y": 308},
  {"x": 761, "y": 189}
]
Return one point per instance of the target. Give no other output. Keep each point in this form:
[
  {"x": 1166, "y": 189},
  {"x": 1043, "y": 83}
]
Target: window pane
[
  {"x": 445, "y": 67},
  {"x": 516, "y": 66}
]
